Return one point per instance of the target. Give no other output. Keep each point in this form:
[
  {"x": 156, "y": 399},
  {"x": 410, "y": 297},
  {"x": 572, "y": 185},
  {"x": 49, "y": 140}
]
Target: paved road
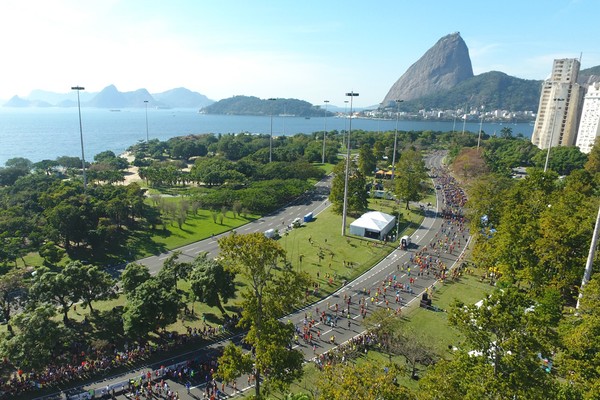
[{"x": 361, "y": 292}]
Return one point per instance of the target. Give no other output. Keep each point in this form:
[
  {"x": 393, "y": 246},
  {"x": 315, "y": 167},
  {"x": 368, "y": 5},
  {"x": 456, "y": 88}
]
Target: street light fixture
[
  {"x": 556, "y": 100},
  {"x": 78, "y": 89},
  {"x": 345, "y": 211},
  {"x": 395, "y": 138},
  {"x": 146, "y": 103},
  {"x": 271, "y": 135},
  {"x": 324, "y": 132}
]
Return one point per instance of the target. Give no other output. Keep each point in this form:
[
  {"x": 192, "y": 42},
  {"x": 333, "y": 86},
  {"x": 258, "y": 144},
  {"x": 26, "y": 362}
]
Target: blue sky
[{"x": 310, "y": 50}]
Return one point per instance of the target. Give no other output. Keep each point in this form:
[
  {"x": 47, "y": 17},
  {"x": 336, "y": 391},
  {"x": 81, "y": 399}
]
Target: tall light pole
[
  {"x": 79, "y": 88},
  {"x": 587, "y": 274},
  {"x": 146, "y": 103},
  {"x": 556, "y": 100},
  {"x": 345, "y": 211},
  {"x": 271, "y": 135},
  {"x": 395, "y": 137},
  {"x": 324, "y": 132},
  {"x": 480, "y": 126}
]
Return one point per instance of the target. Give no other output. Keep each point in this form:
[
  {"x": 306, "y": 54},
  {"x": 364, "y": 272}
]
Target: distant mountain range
[
  {"x": 441, "y": 79},
  {"x": 111, "y": 97}
]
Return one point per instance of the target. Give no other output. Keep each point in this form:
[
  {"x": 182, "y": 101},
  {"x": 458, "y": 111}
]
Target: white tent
[{"x": 374, "y": 225}]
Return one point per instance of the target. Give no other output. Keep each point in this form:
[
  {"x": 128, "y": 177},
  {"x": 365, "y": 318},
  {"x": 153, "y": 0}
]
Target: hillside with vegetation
[
  {"x": 493, "y": 90},
  {"x": 250, "y": 105}
]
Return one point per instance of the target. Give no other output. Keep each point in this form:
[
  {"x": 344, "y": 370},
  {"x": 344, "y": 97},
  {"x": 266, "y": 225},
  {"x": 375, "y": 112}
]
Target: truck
[{"x": 405, "y": 242}]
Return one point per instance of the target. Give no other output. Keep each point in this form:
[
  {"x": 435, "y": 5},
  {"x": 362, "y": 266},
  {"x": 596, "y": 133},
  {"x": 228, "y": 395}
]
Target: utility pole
[
  {"x": 587, "y": 275},
  {"x": 345, "y": 210},
  {"x": 80, "y": 88}
]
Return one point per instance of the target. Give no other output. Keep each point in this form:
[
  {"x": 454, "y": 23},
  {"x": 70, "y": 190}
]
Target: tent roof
[{"x": 373, "y": 220}]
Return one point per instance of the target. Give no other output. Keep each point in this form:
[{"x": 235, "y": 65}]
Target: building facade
[
  {"x": 560, "y": 104},
  {"x": 589, "y": 124}
]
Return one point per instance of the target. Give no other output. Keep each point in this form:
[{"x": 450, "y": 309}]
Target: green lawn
[{"x": 197, "y": 227}]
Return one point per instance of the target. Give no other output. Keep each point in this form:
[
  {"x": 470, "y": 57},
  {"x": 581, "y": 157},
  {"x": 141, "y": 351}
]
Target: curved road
[{"x": 394, "y": 268}]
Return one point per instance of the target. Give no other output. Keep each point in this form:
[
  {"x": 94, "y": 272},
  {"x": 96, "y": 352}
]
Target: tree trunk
[
  {"x": 220, "y": 307},
  {"x": 257, "y": 384}
]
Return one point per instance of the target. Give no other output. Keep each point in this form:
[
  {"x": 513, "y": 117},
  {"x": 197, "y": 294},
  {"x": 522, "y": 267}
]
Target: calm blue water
[{"x": 48, "y": 133}]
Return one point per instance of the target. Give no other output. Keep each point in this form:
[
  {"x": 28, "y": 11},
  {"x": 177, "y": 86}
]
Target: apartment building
[
  {"x": 560, "y": 104},
  {"x": 589, "y": 124}
]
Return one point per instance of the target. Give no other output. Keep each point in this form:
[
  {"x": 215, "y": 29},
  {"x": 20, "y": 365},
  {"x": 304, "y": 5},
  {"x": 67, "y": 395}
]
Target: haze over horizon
[{"x": 310, "y": 50}]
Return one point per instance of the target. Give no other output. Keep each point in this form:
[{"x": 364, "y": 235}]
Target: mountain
[
  {"x": 111, "y": 97},
  {"x": 588, "y": 76},
  {"x": 16, "y": 101},
  {"x": 442, "y": 67},
  {"x": 58, "y": 98},
  {"x": 183, "y": 98},
  {"x": 494, "y": 90},
  {"x": 250, "y": 105}
]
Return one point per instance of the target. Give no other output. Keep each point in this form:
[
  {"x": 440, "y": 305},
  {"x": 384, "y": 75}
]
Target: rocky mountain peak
[{"x": 442, "y": 67}]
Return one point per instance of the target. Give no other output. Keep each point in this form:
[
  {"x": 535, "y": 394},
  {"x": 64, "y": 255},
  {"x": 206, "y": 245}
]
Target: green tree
[
  {"x": 91, "y": 282},
  {"x": 579, "y": 355},
  {"x": 366, "y": 160},
  {"x": 500, "y": 356},
  {"x": 364, "y": 381},
  {"x": 592, "y": 165},
  {"x": 211, "y": 283},
  {"x": 155, "y": 304},
  {"x": 410, "y": 176},
  {"x": 357, "y": 193},
  {"x": 57, "y": 289},
  {"x": 563, "y": 159},
  {"x": 273, "y": 288},
  {"x": 133, "y": 276},
  {"x": 37, "y": 340},
  {"x": 396, "y": 340},
  {"x": 51, "y": 253}
]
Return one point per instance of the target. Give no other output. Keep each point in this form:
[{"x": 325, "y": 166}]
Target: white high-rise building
[
  {"x": 589, "y": 124},
  {"x": 558, "y": 112}
]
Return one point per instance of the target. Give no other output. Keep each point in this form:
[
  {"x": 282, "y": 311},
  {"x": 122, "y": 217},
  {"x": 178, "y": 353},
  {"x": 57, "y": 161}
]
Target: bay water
[{"x": 48, "y": 133}]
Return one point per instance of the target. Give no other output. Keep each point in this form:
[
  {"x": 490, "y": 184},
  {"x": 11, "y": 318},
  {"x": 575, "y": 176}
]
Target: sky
[{"x": 309, "y": 50}]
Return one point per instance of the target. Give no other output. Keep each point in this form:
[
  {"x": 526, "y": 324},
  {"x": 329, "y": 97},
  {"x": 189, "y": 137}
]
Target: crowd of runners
[{"x": 90, "y": 362}]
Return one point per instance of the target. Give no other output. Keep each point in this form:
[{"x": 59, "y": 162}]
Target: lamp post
[
  {"x": 146, "y": 104},
  {"x": 271, "y": 135},
  {"x": 480, "y": 126},
  {"x": 78, "y": 89},
  {"x": 345, "y": 210},
  {"x": 324, "y": 132},
  {"x": 395, "y": 137},
  {"x": 556, "y": 100}
]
